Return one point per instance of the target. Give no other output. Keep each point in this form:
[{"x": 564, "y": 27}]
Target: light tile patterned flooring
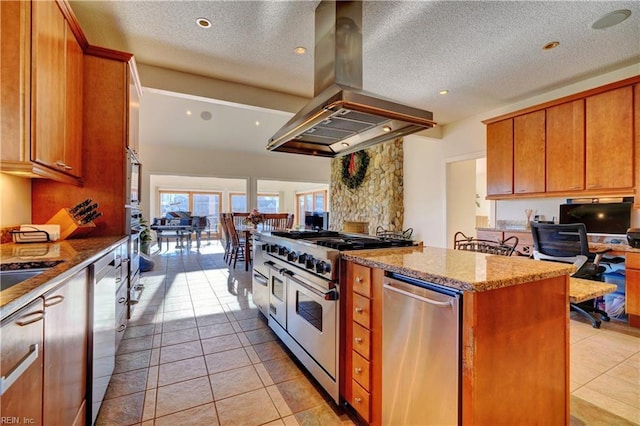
[{"x": 197, "y": 352}]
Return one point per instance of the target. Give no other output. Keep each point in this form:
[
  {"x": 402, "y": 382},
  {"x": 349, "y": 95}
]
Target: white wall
[
  {"x": 461, "y": 199},
  {"x": 425, "y": 159},
  {"x": 15, "y": 198}
]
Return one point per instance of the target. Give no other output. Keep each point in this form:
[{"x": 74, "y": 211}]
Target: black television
[
  {"x": 316, "y": 220},
  {"x": 599, "y": 218}
]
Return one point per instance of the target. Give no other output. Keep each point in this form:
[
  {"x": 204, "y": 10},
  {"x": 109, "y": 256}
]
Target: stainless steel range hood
[{"x": 342, "y": 118}]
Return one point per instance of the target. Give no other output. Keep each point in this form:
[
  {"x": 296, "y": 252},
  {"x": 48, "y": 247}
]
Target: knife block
[{"x": 69, "y": 227}]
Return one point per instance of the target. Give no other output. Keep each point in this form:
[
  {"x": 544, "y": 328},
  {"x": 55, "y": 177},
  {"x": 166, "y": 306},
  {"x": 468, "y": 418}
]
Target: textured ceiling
[{"x": 486, "y": 54}]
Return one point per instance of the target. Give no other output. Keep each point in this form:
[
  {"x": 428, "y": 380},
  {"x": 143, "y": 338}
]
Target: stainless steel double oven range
[{"x": 295, "y": 285}]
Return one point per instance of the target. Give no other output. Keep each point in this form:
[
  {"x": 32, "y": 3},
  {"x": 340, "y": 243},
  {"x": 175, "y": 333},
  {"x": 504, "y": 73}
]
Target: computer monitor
[
  {"x": 599, "y": 218},
  {"x": 316, "y": 220}
]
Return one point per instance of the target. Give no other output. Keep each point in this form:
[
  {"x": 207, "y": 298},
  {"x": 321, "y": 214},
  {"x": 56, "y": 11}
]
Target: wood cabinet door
[
  {"x": 73, "y": 107},
  {"x": 133, "y": 138},
  {"x": 609, "y": 140},
  {"x": 48, "y": 84},
  {"x": 565, "y": 147},
  {"x": 22, "y": 346},
  {"x": 529, "y": 153},
  {"x": 65, "y": 336},
  {"x": 633, "y": 291},
  {"x": 500, "y": 158},
  {"x": 15, "y": 51}
]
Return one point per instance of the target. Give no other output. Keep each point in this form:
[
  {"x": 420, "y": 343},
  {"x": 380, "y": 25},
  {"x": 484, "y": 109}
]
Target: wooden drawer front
[
  {"x": 360, "y": 401},
  {"x": 121, "y": 300},
  {"x": 361, "y": 310},
  {"x": 633, "y": 292},
  {"x": 633, "y": 260},
  {"x": 362, "y": 280},
  {"x": 361, "y": 340},
  {"x": 360, "y": 371},
  {"x": 489, "y": 235}
]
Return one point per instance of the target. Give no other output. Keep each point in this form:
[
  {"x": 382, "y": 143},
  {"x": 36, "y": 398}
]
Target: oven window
[
  {"x": 277, "y": 288},
  {"x": 308, "y": 309}
]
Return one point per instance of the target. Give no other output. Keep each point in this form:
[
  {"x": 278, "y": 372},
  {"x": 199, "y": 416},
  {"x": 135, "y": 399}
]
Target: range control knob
[
  {"x": 283, "y": 251},
  {"x": 310, "y": 263},
  {"x": 303, "y": 258},
  {"x": 273, "y": 248},
  {"x": 292, "y": 256},
  {"x": 323, "y": 267}
]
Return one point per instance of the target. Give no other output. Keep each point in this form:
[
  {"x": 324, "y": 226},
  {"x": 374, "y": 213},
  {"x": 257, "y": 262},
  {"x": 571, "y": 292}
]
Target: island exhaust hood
[{"x": 342, "y": 118}]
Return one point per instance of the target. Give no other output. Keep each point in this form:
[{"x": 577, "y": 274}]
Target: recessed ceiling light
[
  {"x": 203, "y": 23},
  {"x": 206, "y": 115},
  {"x": 611, "y": 19},
  {"x": 300, "y": 50},
  {"x": 444, "y": 92},
  {"x": 551, "y": 45},
  {"x": 188, "y": 112},
  {"x": 257, "y": 123},
  {"x": 345, "y": 144}
]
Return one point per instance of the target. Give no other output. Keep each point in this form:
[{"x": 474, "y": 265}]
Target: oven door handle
[{"x": 330, "y": 295}]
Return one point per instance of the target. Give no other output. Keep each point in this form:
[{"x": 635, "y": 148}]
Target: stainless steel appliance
[
  {"x": 260, "y": 276},
  {"x": 633, "y": 237},
  {"x": 342, "y": 118},
  {"x": 420, "y": 353},
  {"x": 303, "y": 293}
]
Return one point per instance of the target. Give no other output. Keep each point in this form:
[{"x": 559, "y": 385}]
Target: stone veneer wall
[{"x": 379, "y": 200}]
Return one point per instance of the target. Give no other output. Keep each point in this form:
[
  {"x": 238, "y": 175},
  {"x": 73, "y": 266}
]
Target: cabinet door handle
[
  {"x": 68, "y": 167},
  {"x": 358, "y": 280},
  {"x": 52, "y": 301},
  {"x": 121, "y": 328},
  {"x": 358, "y": 400},
  {"x": 357, "y": 370},
  {"x": 122, "y": 299},
  {"x": 16, "y": 372},
  {"x": 359, "y": 310},
  {"x": 35, "y": 317},
  {"x": 358, "y": 339}
]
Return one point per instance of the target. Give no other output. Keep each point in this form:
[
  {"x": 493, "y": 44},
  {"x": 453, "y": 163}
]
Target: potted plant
[{"x": 145, "y": 236}]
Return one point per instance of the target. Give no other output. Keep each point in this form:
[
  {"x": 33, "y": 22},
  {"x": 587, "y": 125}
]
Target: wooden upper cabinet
[
  {"x": 609, "y": 140},
  {"x": 48, "y": 84},
  {"x": 529, "y": 153},
  {"x": 73, "y": 111},
  {"x": 636, "y": 119},
  {"x": 135, "y": 93},
  {"x": 565, "y": 147},
  {"x": 500, "y": 158}
]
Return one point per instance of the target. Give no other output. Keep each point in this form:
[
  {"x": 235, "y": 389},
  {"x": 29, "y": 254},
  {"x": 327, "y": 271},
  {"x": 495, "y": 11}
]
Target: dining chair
[
  {"x": 225, "y": 236},
  {"x": 274, "y": 221},
  {"x": 238, "y": 249}
]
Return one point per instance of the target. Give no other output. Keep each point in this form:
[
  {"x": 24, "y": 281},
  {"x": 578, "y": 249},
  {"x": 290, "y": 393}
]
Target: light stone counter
[
  {"x": 459, "y": 269},
  {"x": 63, "y": 258}
]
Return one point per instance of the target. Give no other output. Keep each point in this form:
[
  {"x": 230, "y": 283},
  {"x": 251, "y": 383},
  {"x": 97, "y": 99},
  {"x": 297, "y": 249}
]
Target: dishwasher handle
[{"x": 420, "y": 298}]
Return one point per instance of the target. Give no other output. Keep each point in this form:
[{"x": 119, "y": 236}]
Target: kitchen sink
[{"x": 10, "y": 278}]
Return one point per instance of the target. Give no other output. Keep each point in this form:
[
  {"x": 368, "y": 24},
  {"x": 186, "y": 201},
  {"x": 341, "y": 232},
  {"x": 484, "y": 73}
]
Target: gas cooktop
[
  {"x": 338, "y": 241},
  {"x": 305, "y": 235}
]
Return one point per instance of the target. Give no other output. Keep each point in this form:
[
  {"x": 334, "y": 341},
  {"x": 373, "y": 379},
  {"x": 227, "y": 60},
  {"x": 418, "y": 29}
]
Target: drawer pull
[
  {"x": 122, "y": 299},
  {"x": 121, "y": 328},
  {"x": 52, "y": 301},
  {"x": 35, "y": 317},
  {"x": 358, "y": 280},
  {"x": 359, "y": 310},
  {"x": 358, "y": 339},
  {"x": 25, "y": 363},
  {"x": 358, "y": 400},
  {"x": 358, "y": 370}
]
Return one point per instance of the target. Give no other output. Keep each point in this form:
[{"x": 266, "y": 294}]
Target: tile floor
[{"x": 197, "y": 352}]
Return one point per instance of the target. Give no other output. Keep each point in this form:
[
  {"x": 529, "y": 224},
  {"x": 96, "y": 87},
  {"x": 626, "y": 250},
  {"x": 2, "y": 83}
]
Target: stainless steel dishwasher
[{"x": 420, "y": 353}]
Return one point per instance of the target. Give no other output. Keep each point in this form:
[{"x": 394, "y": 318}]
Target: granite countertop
[
  {"x": 459, "y": 269},
  {"x": 64, "y": 258}
]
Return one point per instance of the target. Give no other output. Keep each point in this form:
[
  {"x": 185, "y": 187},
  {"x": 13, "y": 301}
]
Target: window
[
  {"x": 238, "y": 202},
  {"x": 198, "y": 203},
  {"x": 268, "y": 203},
  {"x": 315, "y": 201}
]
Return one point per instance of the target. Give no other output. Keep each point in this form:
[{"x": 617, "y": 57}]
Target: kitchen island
[{"x": 514, "y": 332}]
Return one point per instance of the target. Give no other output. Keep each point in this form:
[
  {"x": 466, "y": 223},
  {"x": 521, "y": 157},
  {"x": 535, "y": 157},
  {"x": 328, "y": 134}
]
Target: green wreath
[{"x": 354, "y": 167}]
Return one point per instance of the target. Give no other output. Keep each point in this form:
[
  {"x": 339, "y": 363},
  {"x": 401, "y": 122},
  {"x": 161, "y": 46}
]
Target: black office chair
[{"x": 568, "y": 243}]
